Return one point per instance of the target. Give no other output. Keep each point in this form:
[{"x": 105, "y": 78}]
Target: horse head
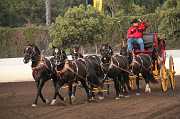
[
  {"x": 106, "y": 53},
  {"x": 106, "y": 50},
  {"x": 30, "y": 52},
  {"x": 59, "y": 55},
  {"x": 75, "y": 53}
]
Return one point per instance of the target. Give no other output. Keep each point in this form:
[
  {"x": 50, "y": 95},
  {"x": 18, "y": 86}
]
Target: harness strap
[
  {"x": 142, "y": 66},
  {"x": 66, "y": 67},
  {"x": 116, "y": 60},
  {"x": 40, "y": 63},
  {"x": 117, "y": 66},
  {"x": 77, "y": 69}
]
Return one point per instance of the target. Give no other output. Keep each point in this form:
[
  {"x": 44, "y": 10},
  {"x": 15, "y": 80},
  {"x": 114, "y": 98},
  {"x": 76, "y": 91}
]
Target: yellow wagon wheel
[
  {"x": 164, "y": 81},
  {"x": 172, "y": 73}
]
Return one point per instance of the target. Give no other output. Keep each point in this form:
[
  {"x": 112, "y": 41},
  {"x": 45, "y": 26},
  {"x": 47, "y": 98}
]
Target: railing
[{"x": 14, "y": 70}]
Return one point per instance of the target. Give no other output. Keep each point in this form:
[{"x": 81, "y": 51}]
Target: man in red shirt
[{"x": 135, "y": 34}]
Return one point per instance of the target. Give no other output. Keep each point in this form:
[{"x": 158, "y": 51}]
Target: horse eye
[{"x": 56, "y": 50}]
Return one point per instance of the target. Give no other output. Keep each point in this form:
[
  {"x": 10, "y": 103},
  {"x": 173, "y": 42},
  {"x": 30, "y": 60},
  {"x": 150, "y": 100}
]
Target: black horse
[
  {"x": 140, "y": 66},
  {"x": 115, "y": 67},
  {"x": 75, "y": 53},
  {"x": 41, "y": 69},
  {"x": 68, "y": 72},
  {"x": 95, "y": 75}
]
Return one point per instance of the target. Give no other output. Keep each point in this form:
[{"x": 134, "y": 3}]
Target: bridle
[{"x": 29, "y": 53}]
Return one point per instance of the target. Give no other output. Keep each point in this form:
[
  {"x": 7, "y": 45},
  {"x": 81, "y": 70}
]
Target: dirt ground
[{"x": 16, "y": 100}]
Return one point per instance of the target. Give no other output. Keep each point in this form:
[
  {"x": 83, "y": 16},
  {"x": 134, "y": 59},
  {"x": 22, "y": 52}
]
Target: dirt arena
[{"x": 16, "y": 100}]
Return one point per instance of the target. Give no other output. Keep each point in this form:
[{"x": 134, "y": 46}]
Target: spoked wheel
[
  {"x": 172, "y": 73},
  {"x": 164, "y": 81}
]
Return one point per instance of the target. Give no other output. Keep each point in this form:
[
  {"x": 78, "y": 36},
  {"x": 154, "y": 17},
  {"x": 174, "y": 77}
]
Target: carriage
[
  {"x": 92, "y": 71},
  {"x": 152, "y": 44}
]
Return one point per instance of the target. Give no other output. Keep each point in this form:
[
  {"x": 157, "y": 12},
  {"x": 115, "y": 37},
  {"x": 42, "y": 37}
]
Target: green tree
[
  {"x": 20, "y": 12},
  {"x": 80, "y": 26}
]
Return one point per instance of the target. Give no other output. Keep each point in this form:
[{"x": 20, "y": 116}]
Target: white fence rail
[{"x": 14, "y": 70}]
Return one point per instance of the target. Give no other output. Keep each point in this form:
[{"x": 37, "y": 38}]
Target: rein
[
  {"x": 40, "y": 63},
  {"x": 117, "y": 66},
  {"x": 141, "y": 64}
]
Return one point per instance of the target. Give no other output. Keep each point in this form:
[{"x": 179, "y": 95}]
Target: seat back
[{"x": 148, "y": 41}]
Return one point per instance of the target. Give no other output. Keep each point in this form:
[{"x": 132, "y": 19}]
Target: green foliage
[
  {"x": 169, "y": 4},
  {"x": 79, "y": 26},
  {"x": 20, "y": 12},
  {"x": 13, "y": 40},
  {"x": 75, "y": 25}
]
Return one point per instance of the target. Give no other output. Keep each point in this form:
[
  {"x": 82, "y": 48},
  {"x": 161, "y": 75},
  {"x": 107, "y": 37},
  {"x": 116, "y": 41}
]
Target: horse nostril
[{"x": 24, "y": 60}]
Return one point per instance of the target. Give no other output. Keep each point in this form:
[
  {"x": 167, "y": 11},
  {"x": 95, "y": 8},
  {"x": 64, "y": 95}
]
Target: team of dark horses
[{"x": 91, "y": 72}]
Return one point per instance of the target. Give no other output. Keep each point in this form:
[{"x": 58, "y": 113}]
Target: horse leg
[
  {"x": 147, "y": 80},
  {"x": 92, "y": 91},
  {"x": 121, "y": 86},
  {"x": 74, "y": 91},
  {"x": 57, "y": 86},
  {"x": 108, "y": 89},
  {"x": 86, "y": 89},
  {"x": 116, "y": 85},
  {"x": 46, "y": 101},
  {"x": 39, "y": 84},
  {"x": 138, "y": 88},
  {"x": 127, "y": 82},
  {"x": 70, "y": 93}
]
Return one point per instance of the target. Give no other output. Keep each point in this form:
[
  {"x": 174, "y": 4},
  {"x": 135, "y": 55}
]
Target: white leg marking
[
  {"x": 47, "y": 101},
  {"x": 147, "y": 89},
  {"x": 100, "y": 97},
  {"x": 53, "y": 102},
  {"x": 34, "y": 105}
]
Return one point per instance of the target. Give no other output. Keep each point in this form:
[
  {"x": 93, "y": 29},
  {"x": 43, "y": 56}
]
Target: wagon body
[{"x": 159, "y": 70}]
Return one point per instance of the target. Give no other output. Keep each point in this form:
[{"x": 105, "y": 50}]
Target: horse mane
[
  {"x": 35, "y": 48},
  {"x": 161, "y": 43}
]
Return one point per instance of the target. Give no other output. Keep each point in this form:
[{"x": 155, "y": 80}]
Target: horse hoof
[
  {"x": 92, "y": 99},
  {"x": 121, "y": 96},
  {"x": 148, "y": 90},
  {"x": 73, "y": 98},
  {"x": 65, "y": 99},
  {"x": 53, "y": 102},
  {"x": 127, "y": 96},
  {"x": 138, "y": 94},
  {"x": 47, "y": 101},
  {"x": 100, "y": 97},
  {"x": 34, "y": 105},
  {"x": 117, "y": 98}
]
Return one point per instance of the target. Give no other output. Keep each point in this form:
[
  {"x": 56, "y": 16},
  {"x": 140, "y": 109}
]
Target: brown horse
[{"x": 41, "y": 69}]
